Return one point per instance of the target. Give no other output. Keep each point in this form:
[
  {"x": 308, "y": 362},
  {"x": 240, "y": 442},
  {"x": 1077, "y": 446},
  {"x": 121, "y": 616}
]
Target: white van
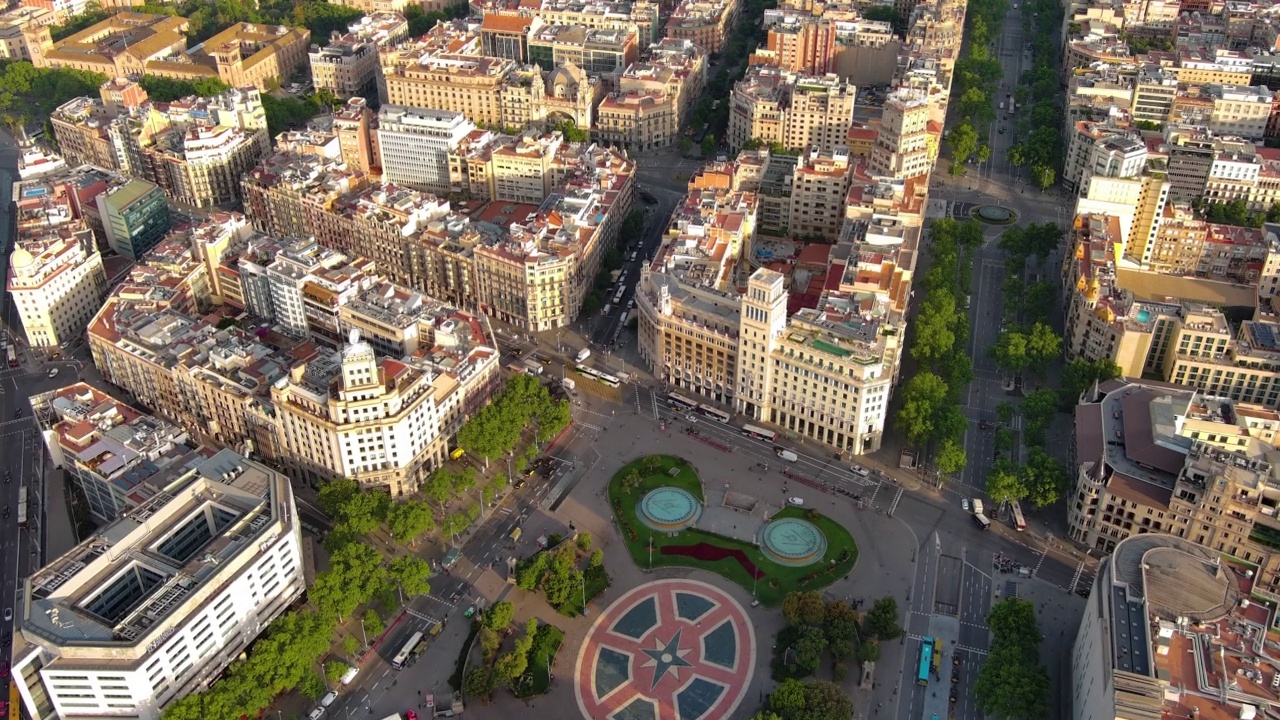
[
  {"x": 349, "y": 675},
  {"x": 977, "y": 507}
]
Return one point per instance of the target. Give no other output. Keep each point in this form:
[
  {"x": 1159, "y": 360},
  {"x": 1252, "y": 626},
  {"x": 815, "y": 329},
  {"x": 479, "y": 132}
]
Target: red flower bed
[{"x": 711, "y": 553}]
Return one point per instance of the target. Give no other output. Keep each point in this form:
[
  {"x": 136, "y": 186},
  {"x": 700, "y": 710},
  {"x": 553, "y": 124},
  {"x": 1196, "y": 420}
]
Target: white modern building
[
  {"x": 155, "y": 605},
  {"x": 415, "y": 144}
]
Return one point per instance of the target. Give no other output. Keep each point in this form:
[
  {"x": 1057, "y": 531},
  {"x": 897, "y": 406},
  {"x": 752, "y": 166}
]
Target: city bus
[
  {"x": 598, "y": 376},
  {"x": 22, "y": 506},
  {"x": 926, "y": 661},
  {"x": 680, "y": 402},
  {"x": 759, "y": 433},
  {"x": 1018, "y": 521},
  {"x": 11, "y": 355},
  {"x": 409, "y": 646},
  {"x": 719, "y": 416}
]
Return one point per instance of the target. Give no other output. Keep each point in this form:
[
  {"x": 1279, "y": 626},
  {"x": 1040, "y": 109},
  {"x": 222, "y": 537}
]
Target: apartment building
[
  {"x": 56, "y": 277},
  {"x": 415, "y": 144},
  {"x": 512, "y": 22},
  {"x": 799, "y": 44},
  {"x": 819, "y": 185},
  {"x": 823, "y": 373},
  {"x": 706, "y": 23},
  {"x": 687, "y": 302},
  {"x": 155, "y": 605},
  {"x": 111, "y": 451},
  {"x": 130, "y": 44},
  {"x": 1153, "y": 94},
  {"x": 300, "y": 285},
  {"x": 903, "y": 148},
  {"x": 135, "y": 216},
  {"x": 354, "y": 126},
  {"x": 80, "y": 129},
  {"x": 652, "y": 100},
  {"x": 348, "y": 66},
  {"x": 598, "y": 51},
  {"x": 1160, "y": 458},
  {"x": 770, "y": 105},
  {"x": 1239, "y": 110}
]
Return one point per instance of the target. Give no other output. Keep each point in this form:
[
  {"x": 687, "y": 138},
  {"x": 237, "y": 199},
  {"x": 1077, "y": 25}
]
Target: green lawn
[
  {"x": 540, "y": 665},
  {"x": 597, "y": 582},
  {"x": 778, "y": 579}
]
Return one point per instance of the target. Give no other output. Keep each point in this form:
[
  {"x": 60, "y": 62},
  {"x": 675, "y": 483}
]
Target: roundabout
[
  {"x": 668, "y": 650},
  {"x": 669, "y": 509},
  {"x": 792, "y": 541}
]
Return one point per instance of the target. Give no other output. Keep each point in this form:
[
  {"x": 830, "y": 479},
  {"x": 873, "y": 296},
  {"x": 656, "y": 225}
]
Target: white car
[
  {"x": 964, "y": 503},
  {"x": 328, "y": 699},
  {"x": 860, "y": 471},
  {"x": 315, "y": 714},
  {"x": 691, "y": 418},
  {"x": 53, "y": 372},
  {"x": 797, "y": 501}
]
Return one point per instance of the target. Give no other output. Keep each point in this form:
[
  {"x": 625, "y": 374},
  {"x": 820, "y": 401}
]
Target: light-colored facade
[
  {"x": 706, "y": 23},
  {"x": 56, "y": 277},
  {"x": 154, "y": 606},
  {"x": 415, "y": 145},
  {"x": 840, "y": 345},
  {"x": 818, "y": 189},
  {"x": 902, "y": 148},
  {"x": 348, "y": 65},
  {"x": 131, "y": 44},
  {"x": 770, "y": 105}
]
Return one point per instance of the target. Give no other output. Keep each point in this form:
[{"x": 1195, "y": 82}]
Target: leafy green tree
[
  {"x": 312, "y": 685},
  {"x": 963, "y": 141},
  {"x": 288, "y": 113},
  {"x": 334, "y": 670},
  {"x": 409, "y": 519},
  {"x": 1044, "y": 478},
  {"x": 1010, "y": 351},
  {"x": 1016, "y": 155},
  {"x": 373, "y": 624},
  {"x": 951, "y": 457},
  {"x": 1038, "y": 409},
  {"x": 510, "y": 665},
  {"x": 934, "y": 337},
  {"x": 1004, "y": 483},
  {"x": 529, "y": 572},
  {"x": 923, "y": 398},
  {"x": 571, "y": 132},
  {"x": 410, "y": 573},
  {"x": 809, "y": 645},
  {"x": 499, "y": 615},
  {"x": 788, "y": 698},
  {"x": 1078, "y": 375},
  {"x": 439, "y": 485},
  {"x": 1043, "y": 175},
  {"x": 1043, "y": 345},
  {"x": 708, "y": 145},
  {"x": 1005, "y": 411},
  {"x": 584, "y": 541},
  {"x": 841, "y": 626},
  {"x": 350, "y": 645},
  {"x": 323, "y": 18},
  {"x": 804, "y": 608},
  {"x": 1012, "y": 682},
  {"x": 882, "y": 620},
  {"x": 464, "y": 481},
  {"x": 163, "y": 89},
  {"x": 479, "y": 682},
  {"x": 597, "y": 559}
]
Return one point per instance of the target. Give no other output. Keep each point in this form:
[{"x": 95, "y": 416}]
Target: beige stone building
[
  {"x": 706, "y": 23},
  {"x": 131, "y": 44},
  {"x": 348, "y": 65},
  {"x": 14, "y": 26},
  {"x": 652, "y": 99},
  {"x": 818, "y": 189},
  {"x": 80, "y": 127},
  {"x": 902, "y": 147},
  {"x": 771, "y": 105},
  {"x": 686, "y": 301}
]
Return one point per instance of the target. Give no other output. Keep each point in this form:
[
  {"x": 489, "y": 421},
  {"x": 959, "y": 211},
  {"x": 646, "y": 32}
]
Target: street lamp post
[
  {"x": 651, "y": 553},
  {"x": 585, "y": 611},
  {"x": 364, "y": 636}
]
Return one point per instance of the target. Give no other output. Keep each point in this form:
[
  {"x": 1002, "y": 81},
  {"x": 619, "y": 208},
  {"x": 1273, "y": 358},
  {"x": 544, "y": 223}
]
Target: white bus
[
  {"x": 680, "y": 402},
  {"x": 759, "y": 433},
  {"x": 717, "y": 415},
  {"x": 598, "y": 376},
  {"x": 403, "y": 656},
  {"x": 1019, "y": 522}
]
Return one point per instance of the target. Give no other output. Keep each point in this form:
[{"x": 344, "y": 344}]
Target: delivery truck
[{"x": 583, "y": 354}]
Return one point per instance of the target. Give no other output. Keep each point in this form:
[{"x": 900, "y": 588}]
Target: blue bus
[{"x": 926, "y": 661}]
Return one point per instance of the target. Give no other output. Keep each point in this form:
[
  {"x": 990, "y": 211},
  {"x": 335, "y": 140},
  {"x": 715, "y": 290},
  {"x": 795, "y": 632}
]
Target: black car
[{"x": 955, "y": 696}]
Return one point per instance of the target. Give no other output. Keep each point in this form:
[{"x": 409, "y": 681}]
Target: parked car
[
  {"x": 797, "y": 501},
  {"x": 53, "y": 372},
  {"x": 964, "y": 504}
]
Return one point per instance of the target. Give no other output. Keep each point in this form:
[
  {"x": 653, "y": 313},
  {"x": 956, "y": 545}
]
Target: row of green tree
[
  {"x": 497, "y": 427},
  {"x": 1013, "y": 683},
  {"x": 977, "y": 80},
  {"x": 1236, "y": 212},
  {"x": 511, "y": 667},
  {"x": 287, "y": 657},
  {"x": 930, "y": 415},
  {"x": 817, "y": 626},
  {"x": 28, "y": 92},
  {"x": 1039, "y": 127},
  {"x": 555, "y": 571}
]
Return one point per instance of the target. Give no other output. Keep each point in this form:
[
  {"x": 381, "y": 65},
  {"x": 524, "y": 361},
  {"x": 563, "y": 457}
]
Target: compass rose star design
[{"x": 670, "y": 657}]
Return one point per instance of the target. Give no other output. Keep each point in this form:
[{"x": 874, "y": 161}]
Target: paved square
[{"x": 668, "y": 649}]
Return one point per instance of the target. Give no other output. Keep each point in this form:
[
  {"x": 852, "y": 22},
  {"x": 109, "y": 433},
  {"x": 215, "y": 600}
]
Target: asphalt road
[{"x": 609, "y": 325}]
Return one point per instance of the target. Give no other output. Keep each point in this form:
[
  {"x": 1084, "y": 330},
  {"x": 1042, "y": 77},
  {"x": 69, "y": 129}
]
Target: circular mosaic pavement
[
  {"x": 792, "y": 541},
  {"x": 668, "y": 650},
  {"x": 669, "y": 509}
]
